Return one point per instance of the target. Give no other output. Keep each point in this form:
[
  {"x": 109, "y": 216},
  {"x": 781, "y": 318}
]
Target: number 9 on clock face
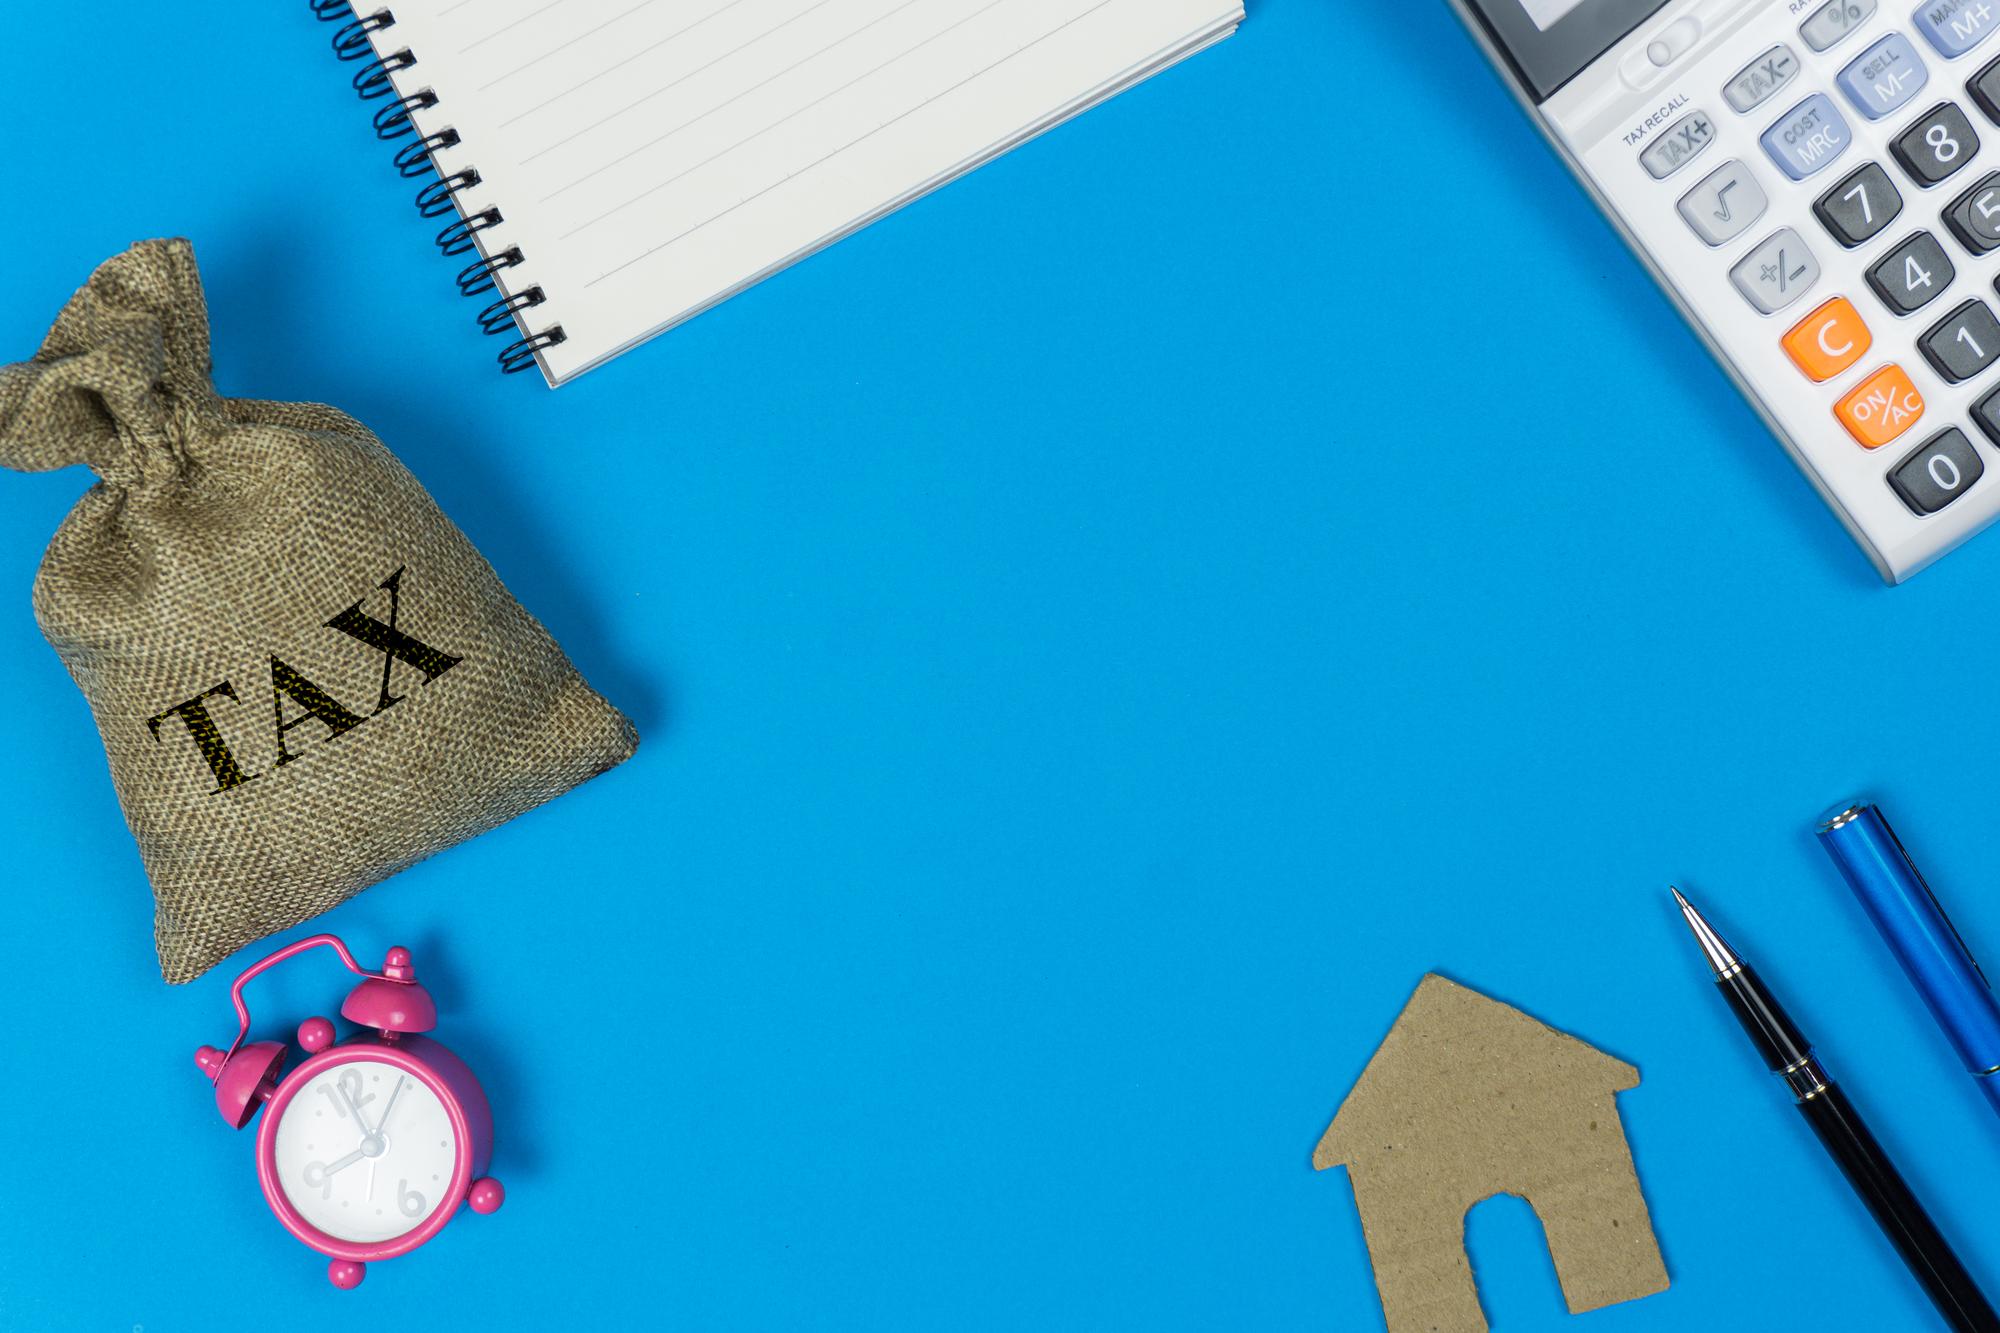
[{"x": 365, "y": 1151}]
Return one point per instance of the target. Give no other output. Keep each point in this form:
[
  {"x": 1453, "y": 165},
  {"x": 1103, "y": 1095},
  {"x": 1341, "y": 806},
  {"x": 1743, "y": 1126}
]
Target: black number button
[
  {"x": 1860, "y": 206},
  {"x": 1986, "y": 415},
  {"x": 1963, "y": 343},
  {"x": 1936, "y": 146},
  {"x": 1985, "y": 89},
  {"x": 1913, "y": 274},
  {"x": 1974, "y": 217},
  {"x": 1943, "y": 469}
]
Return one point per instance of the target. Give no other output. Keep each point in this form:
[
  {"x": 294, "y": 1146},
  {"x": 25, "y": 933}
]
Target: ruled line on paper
[
  {"x": 448, "y": 9},
  {"x": 602, "y": 121},
  {"x": 821, "y": 161},
  {"x": 592, "y": 32},
  {"x": 756, "y": 87},
  {"x": 644, "y": 50},
  {"x": 800, "y": 111},
  {"x": 508, "y": 27}
]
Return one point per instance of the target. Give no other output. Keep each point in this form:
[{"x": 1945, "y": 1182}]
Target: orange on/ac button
[
  {"x": 1881, "y": 407},
  {"x": 1828, "y": 341}
]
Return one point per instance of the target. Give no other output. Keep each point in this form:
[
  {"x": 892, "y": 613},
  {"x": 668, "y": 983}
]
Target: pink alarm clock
[{"x": 370, "y": 1145}]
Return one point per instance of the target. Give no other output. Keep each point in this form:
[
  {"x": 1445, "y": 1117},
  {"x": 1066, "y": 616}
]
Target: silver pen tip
[{"x": 1721, "y": 957}]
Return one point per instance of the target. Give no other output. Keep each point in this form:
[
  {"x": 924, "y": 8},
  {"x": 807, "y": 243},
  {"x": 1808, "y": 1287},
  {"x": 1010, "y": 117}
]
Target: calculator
[{"x": 1816, "y": 185}]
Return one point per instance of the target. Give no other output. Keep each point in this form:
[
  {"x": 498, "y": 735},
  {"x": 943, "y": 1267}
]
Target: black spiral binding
[{"x": 355, "y": 40}]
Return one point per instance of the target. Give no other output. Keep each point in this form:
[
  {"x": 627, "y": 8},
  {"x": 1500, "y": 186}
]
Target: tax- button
[
  {"x": 1880, "y": 408},
  {"x": 1809, "y": 137},
  {"x": 1761, "y": 78},
  {"x": 1828, "y": 341}
]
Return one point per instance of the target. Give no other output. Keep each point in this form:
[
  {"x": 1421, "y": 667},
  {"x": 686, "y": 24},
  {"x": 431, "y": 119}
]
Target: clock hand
[
  {"x": 367, "y": 1135},
  {"x": 390, "y": 1105},
  {"x": 320, "y": 1174},
  {"x": 381, "y": 1123}
]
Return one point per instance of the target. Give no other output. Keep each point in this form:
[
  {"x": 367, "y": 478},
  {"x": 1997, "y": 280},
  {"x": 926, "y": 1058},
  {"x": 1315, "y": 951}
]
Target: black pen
[{"x": 1826, "y": 1108}]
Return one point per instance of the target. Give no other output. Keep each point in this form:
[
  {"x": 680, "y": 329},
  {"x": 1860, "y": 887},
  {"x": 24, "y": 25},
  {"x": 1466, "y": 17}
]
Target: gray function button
[
  {"x": 1678, "y": 143},
  {"x": 1761, "y": 77},
  {"x": 1963, "y": 343},
  {"x": 1913, "y": 274},
  {"x": 1942, "y": 469},
  {"x": 1809, "y": 137},
  {"x": 1974, "y": 217},
  {"x": 1859, "y": 206},
  {"x": 1776, "y": 273},
  {"x": 1833, "y": 21},
  {"x": 1726, "y": 202}
]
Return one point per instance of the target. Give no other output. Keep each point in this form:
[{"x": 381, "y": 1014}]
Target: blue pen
[{"x": 1908, "y": 915}]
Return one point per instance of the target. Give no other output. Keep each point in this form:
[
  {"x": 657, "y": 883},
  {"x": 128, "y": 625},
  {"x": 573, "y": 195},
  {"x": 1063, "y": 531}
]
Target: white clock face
[{"x": 365, "y": 1151}]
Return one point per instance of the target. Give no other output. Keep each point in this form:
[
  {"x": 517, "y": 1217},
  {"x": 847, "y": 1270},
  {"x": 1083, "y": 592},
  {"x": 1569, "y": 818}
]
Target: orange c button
[{"x": 1828, "y": 341}]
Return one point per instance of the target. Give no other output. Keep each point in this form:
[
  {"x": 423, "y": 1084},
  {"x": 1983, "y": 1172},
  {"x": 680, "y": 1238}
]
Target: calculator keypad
[
  {"x": 1913, "y": 274},
  {"x": 1859, "y": 206},
  {"x": 1942, "y": 469},
  {"x": 1938, "y": 146},
  {"x": 1727, "y": 201},
  {"x": 1803, "y": 109}
]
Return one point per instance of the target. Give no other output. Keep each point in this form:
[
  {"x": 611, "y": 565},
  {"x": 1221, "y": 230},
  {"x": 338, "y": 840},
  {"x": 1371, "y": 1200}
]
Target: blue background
[{"x": 1100, "y": 636}]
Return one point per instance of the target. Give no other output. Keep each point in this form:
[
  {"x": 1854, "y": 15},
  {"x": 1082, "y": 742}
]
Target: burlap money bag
[{"x": 304, "y": 675}]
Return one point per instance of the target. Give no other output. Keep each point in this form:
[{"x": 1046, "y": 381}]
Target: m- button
[{"x": 1828, "y": 341}]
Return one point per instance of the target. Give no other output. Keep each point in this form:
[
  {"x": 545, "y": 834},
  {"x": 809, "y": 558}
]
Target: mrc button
[
  {"x": 1808, "y": 137},
  {"x": 1679, "y": 143}
]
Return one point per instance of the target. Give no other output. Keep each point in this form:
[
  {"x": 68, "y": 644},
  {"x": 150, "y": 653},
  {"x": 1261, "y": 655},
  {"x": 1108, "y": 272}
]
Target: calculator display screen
[{"x": 1549, "y": 42}]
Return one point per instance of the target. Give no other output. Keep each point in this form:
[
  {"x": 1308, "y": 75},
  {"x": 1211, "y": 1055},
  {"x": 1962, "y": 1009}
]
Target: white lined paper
[{"x": 651, "y": 159}]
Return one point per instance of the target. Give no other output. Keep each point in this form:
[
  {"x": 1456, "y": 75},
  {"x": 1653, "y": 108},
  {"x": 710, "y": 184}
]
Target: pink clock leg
[
  {"x": 485, "y": 1196},
  {"x": 346, "y": 1274}
]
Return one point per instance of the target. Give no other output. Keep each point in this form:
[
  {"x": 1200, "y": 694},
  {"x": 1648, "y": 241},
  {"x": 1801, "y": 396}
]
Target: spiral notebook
[{"x": 607, "y": 169}]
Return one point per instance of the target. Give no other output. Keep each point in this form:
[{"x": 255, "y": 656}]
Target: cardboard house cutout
[{"x": 1467, "y": 1098}]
